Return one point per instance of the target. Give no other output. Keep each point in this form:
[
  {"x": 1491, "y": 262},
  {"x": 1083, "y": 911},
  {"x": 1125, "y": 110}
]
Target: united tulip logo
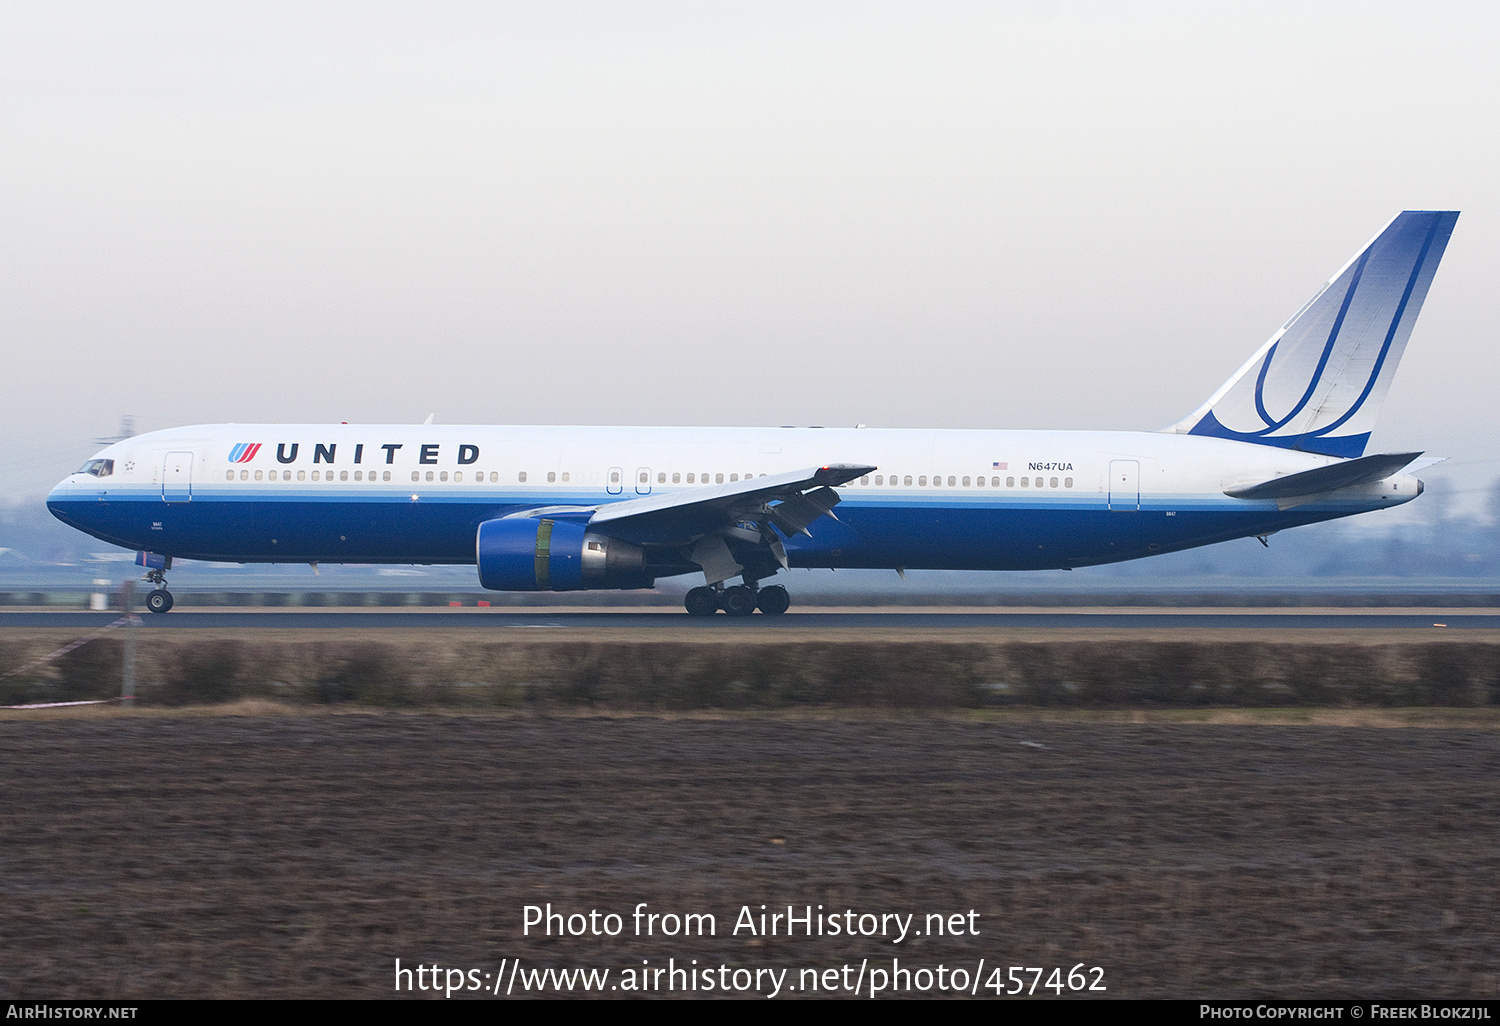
[{"x": 244, "y": 452}]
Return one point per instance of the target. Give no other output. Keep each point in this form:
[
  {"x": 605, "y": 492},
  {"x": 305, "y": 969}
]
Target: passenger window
[
  {"x": 690, "y": 479},
  {"x": 551, "y": 477},
  {"x": 386, "y": 476},
  {"x": 495, "y": 477},
  {"x": 1010, "y": 482},
  {"x": 1067, "y": 482},
  {"x": 301, "y": 475},
  {"x": 907, "y": 481},
  {"x": 865, "y": 480},
  {"x": 257, "y": 475},
  {"x": 357, "y": 476},
  {"x": 677, "y": 478},
  {"x": 458, "y": 475},
  {"x": 995, "y": 482},
  {"x": 645, "y": 477},
  {"x": 1054, "y": 482},
  {"x": 734, "y": 477},
  {"x": 343, "y": 475},
  {"x": 416, "y": 475},
  {"x": 429, "y": 475},
  {"x": 566, "y": 475},
  {"x": 521, "y": 477},
  {"x": 441, "y": 477},
  {"x": 614, "y": 477},
  {"x": 922, "y": 481},
  {"x": 950, "y": 481},
  {"x": 966, "y": 482},
  {"x": 661, "y": 477},
  {"x": 271, "y": 475},
  {"x": 718, "y": 479},
  {"x": 1025, "y": 481}
]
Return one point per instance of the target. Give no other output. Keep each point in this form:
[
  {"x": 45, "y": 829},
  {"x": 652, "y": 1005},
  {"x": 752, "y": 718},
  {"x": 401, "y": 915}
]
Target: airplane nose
[{"x": 58, "y": 501}]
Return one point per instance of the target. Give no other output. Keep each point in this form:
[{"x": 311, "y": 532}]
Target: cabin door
[
  {"x": 177, "y": 477},
  {"x": 1124, "y": 484}
]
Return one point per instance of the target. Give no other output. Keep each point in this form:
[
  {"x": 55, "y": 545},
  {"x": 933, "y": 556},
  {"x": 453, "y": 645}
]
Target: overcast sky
[{"x": 928, "y": 214}]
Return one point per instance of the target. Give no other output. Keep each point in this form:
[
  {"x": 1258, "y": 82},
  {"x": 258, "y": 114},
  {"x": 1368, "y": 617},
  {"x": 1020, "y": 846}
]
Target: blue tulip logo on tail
[
  {"x": 244, "y": 452},
  {"x": 1318, "y": 383}
]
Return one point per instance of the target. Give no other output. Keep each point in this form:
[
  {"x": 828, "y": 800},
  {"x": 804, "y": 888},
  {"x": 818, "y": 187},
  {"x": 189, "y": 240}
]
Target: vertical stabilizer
[{"x": 1318, "y": 383}]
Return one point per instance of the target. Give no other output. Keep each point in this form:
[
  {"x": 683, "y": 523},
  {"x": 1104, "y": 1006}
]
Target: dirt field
[{"x": 302, "y": 855}]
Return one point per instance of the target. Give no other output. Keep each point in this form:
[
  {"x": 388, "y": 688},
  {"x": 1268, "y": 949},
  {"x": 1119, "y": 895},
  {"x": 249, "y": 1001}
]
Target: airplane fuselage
[{"x": 938, "y": 499}]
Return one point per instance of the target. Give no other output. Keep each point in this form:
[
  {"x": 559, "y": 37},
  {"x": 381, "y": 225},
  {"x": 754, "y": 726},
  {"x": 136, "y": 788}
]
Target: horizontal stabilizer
[
  {"x": 1327, "y": 479},
  {"x": 1417, "y": 466}
]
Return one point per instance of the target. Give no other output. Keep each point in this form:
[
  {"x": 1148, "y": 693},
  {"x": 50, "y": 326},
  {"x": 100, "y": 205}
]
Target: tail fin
[{"x": 1318, "y": 384}]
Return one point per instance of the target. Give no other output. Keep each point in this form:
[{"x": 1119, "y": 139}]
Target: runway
[{"x": 822, "y": 620}]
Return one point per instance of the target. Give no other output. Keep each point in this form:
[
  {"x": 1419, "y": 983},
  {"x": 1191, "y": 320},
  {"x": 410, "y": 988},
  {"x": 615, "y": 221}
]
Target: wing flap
[{"x": 793, "y": 514}]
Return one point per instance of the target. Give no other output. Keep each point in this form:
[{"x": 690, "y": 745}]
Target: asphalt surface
[{"x": 825, "y": 620}]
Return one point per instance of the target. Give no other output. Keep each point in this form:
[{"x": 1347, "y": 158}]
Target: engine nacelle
[{"x": 526, "y": 554}]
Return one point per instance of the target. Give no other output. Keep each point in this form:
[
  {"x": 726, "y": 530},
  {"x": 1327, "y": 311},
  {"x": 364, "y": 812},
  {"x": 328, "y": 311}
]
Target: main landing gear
[
  {"x": 160, "y": 599},
  {"x": 740, "y": 600}
]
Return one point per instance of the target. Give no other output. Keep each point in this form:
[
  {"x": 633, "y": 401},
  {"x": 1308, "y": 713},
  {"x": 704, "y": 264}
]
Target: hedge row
[{"x": 751, "y": 675}]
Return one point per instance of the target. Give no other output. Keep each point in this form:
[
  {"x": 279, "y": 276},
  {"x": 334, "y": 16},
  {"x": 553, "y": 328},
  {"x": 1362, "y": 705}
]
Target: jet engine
[{"x": 527, "y": 554}]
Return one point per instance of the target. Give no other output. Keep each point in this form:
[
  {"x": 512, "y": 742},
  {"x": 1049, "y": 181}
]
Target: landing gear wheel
[
  {"x": 737, "y": 601},
  {"x": 774, "y": 601},
  {"x": 159, "y": 601},
  {"x": 702, "y": 602}
]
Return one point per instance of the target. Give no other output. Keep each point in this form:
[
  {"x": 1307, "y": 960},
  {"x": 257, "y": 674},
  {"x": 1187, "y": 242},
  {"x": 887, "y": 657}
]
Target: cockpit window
[{"x": 98, "y": 468}]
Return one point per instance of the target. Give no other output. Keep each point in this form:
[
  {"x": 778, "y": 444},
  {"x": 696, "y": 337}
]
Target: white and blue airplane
[{"x": 1280, "y": 444}]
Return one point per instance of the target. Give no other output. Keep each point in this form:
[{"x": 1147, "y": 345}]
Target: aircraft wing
[{"x": 791, "y": 501}]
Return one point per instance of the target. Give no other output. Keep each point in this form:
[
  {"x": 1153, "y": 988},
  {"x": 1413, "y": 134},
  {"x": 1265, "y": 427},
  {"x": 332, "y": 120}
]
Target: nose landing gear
[{"x": 160, "y": 599}]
